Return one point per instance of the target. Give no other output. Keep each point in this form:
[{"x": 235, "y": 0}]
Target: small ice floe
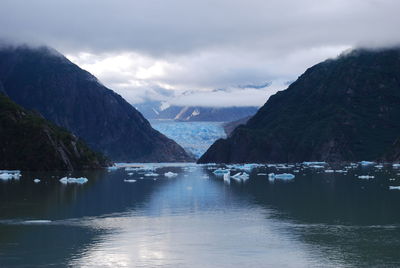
[
  {"x": 329, "y": 171},
  {"x": 129, "y": 180},
  {"x": 227, "y": 177},
  {"x": 283, "y": 176},
  {"x": 396, "y": 165},
  {"x": 112, "y": 168},
  {"x": 314, "y": 163},
  {"x": 379, "y": 166},
  {"x": 241, "y": 176},
  {"x": 296, "y": 171},
  {"x": 36, "y": 180},
  {"x": 66, "y": 180},
  {"x": 152, "y": 174},
  {"x": 170, "y": 174},
  {"x": 366, "y": 177},
  {"x": 366, "y": 163},
  {"x": 221, "y": 172},
  {"x": 262, "y": 174},
  {"x": 130, "y": 174},
  {"x": 10, "y": 174},
  {"x": 340, "y": 171},
  {"x": 37, "y": 222},
  {"x": 394, "y": 187}
]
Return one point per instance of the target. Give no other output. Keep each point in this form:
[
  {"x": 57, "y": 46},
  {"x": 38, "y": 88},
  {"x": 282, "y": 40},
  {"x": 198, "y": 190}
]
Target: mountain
[
  {"x": 43, "y": 80},
  {"x": 229, "y": 127},
  {"x": 29, "y": 142},
  {"x": 344, "y": 109},
  {"x": 163, "y": 110}
]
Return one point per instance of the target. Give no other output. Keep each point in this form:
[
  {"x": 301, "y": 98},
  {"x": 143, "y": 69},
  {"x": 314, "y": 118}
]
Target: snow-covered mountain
[{"x": 162, "y": 110}]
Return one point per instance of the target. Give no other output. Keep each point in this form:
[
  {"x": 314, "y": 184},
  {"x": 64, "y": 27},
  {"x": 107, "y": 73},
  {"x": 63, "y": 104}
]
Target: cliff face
[
  {"x": 347, "y": 109},
  {"x": 41, "y": 79},
  {"x": 29, "y": 142}
]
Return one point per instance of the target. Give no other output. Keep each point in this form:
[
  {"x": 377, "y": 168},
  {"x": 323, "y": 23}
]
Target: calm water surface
[{"x": 196, "y": 220}]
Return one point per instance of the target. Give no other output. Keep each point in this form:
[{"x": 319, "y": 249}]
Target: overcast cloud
[{"x": 182, "y": 51}]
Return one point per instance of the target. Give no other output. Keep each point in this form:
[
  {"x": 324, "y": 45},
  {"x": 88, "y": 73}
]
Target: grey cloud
[{"x": 199, "y": 45}]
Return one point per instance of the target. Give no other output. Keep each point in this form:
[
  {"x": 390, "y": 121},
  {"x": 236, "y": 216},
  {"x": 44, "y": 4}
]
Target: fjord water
[{"x": 197, "y": 220}]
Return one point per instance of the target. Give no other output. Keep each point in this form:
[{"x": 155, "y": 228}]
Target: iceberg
[
  {"x": 66, "y": 180},
  {"x": 394, "y": 187},
  {"x": 129, "y": 180},
  {"x": 329, "y": 171},
  {"x": 227, "y": 176},
  {"x": 314, "y": 163},
  {"x": 283, "y": 176},
  {"x": 221, "y": 172},
  {"x": 366, "y": 163},
  {"x": 366, "y": 177},
  {"x": 10, "y": 174},
  {"x": 241, "y": 176},
  {"x": 170, "y": 174},
  {"x": 152, "y": 174},
  {"x": 36, "y": 180}
]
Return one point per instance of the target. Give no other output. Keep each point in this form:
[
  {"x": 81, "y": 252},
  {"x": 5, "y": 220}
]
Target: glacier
[{"x": 194, "y": 137}]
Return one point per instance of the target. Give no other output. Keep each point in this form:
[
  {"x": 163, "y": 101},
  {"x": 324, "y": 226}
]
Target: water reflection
[{"x": 197, "y": 220}]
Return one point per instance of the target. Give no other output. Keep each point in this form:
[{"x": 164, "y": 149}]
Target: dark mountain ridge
[
  {"x": 42, "y": 79},
  {"x": 344, "y": 109},
  {"x": 29, "y": 142}
]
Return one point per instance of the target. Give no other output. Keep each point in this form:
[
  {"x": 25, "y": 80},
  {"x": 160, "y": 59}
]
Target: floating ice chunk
[
  {"x": 283, "y": 176},
  {"x": 66, "y": 180},
  {"x": 37, "y": 222},
  {"x": 316, "y": 166},
  {"x": 262, "y": 174},
  {"x": 329, "y": 171},
  {"x": 10, "y": 174},
  {"x": 129, "y": 180},
  {"x": 36, "y": 180},
  {"x": 130, "y": 174},
  {"x": 170, "y": 174},
  {"x": 340, "y": 171},
  {"x": 241, "y": 176},
  {"x": 314, "y": 163},
  {"x": 394, "y": 187},
  {"x": 112, "y": 168},
  {"x": 152, "y": 174},
  {"x": 227, "y": 177},
  {"x": 379, "y": 166},
  {"x": 366, "y": 177},
  {"x": 221, "y": 172},
  {"x": 396, "y": 165},
  {"x": 366, "y": 163}
]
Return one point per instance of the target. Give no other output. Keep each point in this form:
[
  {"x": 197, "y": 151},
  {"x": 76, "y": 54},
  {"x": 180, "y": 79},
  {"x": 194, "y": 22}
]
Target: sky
[{"x": 209, "y": 53}]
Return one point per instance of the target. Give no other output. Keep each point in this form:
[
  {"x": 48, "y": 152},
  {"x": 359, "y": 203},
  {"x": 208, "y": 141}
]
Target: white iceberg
[
  {"x": 129, "y": 180},
  {"x": 152, "y": 174},
  {"x": 221, "y": 172},
  {"x": 36, "y": 180},
  {"x": 66, "y": 180},
  {"x": 314, "y": 163},
  {"x": 394, "y": 187},
  {"x": 170, "y": 174},
  {"x": 366, "y": 163},
  {"x": 329, "y": 171},
  {"x": 10, "y": 174},
  {"x": 366, "y": 177},
  {"x": 283, "y": 176}
]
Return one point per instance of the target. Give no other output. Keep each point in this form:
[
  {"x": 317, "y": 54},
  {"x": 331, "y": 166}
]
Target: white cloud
[{"x": 140, "y": 48}]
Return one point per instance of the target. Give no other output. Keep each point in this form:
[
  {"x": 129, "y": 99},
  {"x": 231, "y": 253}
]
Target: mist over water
[{"x": 197, "y": 220}]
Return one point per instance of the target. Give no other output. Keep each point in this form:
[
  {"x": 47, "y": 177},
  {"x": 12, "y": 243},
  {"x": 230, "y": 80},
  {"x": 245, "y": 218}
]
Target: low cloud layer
[{"x": 164, "y": 49}]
